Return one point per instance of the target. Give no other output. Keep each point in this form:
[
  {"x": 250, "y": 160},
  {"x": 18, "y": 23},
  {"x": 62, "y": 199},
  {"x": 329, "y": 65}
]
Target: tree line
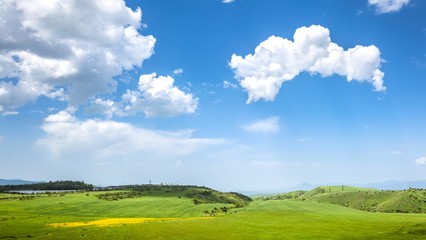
[{"x": 51, "y": 185}]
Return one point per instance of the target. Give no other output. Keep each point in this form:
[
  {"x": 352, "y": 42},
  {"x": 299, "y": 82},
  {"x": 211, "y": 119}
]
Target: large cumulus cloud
[
  {"x": 66, "y": 50},
  {"x": 278, "y": 59}
]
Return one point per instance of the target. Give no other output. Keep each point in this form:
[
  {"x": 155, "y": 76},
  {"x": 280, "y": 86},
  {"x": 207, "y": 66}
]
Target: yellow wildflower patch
[{"x": 121, "y": 221}]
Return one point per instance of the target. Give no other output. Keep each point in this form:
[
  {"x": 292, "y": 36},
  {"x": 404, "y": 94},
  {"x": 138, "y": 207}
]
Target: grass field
[{"x": 166, "y": 216}]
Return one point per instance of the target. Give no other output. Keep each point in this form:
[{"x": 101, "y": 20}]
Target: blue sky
[{"x": 244, "y": 96}]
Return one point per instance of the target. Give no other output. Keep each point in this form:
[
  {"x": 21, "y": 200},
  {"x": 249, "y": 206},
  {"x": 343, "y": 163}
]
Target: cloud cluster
[
  {"x": 277, "y": 60},
  {"x": 155, "y": 97},
  {"x": 227, "y": 84},
  {"x": 268, "y": 125},
  {"x": 178, "y": 71},
  {"x": 421, "y": 161},
  {"x": 388, "y": 6},
  {"x": 66, "y": 50},
  {"x": 102, "y": 139}
]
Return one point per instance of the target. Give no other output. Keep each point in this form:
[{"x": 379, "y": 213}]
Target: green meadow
[{"x": 195, "y": 213}]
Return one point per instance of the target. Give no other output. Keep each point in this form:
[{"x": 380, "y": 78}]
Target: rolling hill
[{"x": 368, "y": 199}]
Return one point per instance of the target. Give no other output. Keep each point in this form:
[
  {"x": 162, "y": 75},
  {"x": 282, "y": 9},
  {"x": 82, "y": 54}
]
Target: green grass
[{"x": 281, "y": 219}]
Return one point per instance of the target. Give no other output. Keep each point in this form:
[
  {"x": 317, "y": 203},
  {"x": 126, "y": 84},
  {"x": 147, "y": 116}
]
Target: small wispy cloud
[
  {"x": 421, "y": 161},
  {"x": 10, "y": 113},
  {"x": 178, "y": 71},
  {"x": 227, "y": 1},
  {"x": 227, "y": 84},
  {"x": 388, "y": 6},
  {"x": 268, "y": 125}
]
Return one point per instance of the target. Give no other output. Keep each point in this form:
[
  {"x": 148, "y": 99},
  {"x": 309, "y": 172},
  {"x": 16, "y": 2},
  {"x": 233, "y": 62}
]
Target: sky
[{"x": 239, "y": 95}]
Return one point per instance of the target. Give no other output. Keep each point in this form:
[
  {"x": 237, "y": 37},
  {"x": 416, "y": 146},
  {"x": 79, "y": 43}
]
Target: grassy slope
[
  {"x": 88, "y": 205},
  {"x": 367, "y": 199},
  {"x": 405, "y": 201},
  {"x": 284, "y": 219}
]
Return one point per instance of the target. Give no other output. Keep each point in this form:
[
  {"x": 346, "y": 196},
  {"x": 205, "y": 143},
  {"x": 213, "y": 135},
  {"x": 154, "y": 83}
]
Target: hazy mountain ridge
[{"x": 16, "y": 182}]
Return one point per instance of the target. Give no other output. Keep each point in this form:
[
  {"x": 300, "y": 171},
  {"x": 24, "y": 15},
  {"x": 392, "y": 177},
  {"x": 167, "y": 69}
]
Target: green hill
[
  {"x": 404, "y": 201},
  {"x": 367, "y": 199},
  {"x": 199, "y": 195},
  {"x": 136, "y": 201}
]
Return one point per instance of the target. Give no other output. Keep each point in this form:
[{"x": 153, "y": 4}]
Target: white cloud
[
  {"x": 277, "y": 60},
  {"x": 158, "y": 97},
  {"x": 106, "y": 107},
  {"x": 65, "y": 134},
  {"x": 268, "y": 125},
  {"x": 421, "y": 161},
  {"x": 396, "y": 152},
  {"x": 155, "y": 97},
  {"x": 227, "y": 84},
  {"x": 10, "y": 113},
  {"x": 178, "y": 71},
  {"x": 67, "y": 50},
  {"x": 388, "y": 6},
  {"x": 227, "y": 1}
]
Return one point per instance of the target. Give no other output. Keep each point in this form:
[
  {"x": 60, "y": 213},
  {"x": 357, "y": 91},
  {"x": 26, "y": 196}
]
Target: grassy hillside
[
  {"x": 143, "y": 201},
  {"x": 367, "y": 199},
  {"x": 405, "y": 201},
  {"x": 163, "y": 215},
  {"x": 199, "y": 195}
]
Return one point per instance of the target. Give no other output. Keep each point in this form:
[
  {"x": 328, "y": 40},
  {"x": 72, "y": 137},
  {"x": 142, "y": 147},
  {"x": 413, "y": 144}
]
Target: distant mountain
[
  {"x": 397, "y": 185},
  {"x": 15, "y": 182},
  {"x": 260, "y": 193},
  {"x": 302, "y": 186}
]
